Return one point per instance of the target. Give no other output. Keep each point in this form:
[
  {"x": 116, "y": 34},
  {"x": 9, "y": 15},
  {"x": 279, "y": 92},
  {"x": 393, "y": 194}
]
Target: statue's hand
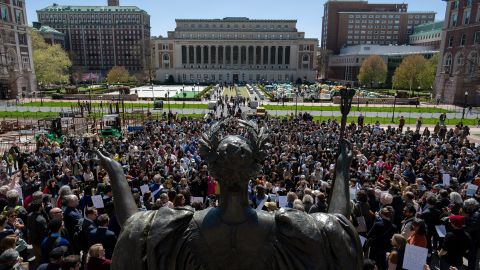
[{"x": 105, "y": 161}]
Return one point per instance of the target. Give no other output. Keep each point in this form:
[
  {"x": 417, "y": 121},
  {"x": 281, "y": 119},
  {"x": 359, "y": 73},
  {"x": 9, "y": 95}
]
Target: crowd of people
[{"x": 403, "y": 186}]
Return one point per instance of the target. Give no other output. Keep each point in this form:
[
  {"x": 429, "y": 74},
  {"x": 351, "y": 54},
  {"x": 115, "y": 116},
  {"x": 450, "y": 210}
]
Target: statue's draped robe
[{"x": 172, "y": 239}]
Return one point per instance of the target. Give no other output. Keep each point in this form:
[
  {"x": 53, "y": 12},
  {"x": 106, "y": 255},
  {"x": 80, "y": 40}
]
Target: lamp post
[
  {"x": 464, "y": 105},
  {"x": 346, "y": 97},
  {"x": 394, "y": 103},
  {"x": 296, "y": 100}
]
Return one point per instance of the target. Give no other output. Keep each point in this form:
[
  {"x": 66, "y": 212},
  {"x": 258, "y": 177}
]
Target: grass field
[
  {"x": 68, "y": 104},
  {"x": 334, "y": 108},
  {"x": 39, "y": 115},
  {"x": 408, "y": 121}
]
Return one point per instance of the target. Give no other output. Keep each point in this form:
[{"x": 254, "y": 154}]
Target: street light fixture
[
  {"x": 296, "y": 100},
  {"x": 394, "y": 103},
  {"x": 464, "y": 104},
  {"x": 346, "y": 97}
]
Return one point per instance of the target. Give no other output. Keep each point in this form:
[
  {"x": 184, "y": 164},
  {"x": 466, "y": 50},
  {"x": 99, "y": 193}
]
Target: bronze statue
[{"x": 233, "y": 235}]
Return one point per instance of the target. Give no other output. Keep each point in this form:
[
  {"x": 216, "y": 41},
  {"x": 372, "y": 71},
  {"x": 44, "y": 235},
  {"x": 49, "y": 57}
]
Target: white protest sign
[
  {"x": 362, "y": 240},
  {"x": 415, "y": 257},
  {"x": 446, "y": 179},
  {"x": 441, "y": 230},
  {"x": 196, "y": 199},
  {"x": 144, "y": 189},
  {"x": 282, "y": 201},
  {"x": 261, "y": 204},
  {"x": 471, "y": 189},
  {"x": 97, "y": 201},
  {"x": 353, "y": 193}
]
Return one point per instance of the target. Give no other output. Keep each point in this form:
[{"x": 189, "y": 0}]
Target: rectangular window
[
  {"x": 450, "y": 42},
  {"x": 476, "y": 38},
  {"x": 4, "y": 13},
  {"x": 453, "y": 20},
  {"x": 466, "y": 16},
  {"x": 463, "y": 40}
]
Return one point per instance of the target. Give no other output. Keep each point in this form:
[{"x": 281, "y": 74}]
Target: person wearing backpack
[{"x": 54, "y": 240}]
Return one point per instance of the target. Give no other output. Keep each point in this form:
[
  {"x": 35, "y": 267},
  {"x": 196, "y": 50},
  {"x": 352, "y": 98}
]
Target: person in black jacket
[
  {"x": 37, "y": 228},
  {"x": 320, "y": 205},
  {"x": 88, "y": 225},
  {"x": 379, "y": 237},
  {"x": 455, "y": 245},
  {"x": 431, "y": 216},
  {"x": 102, "y": 235}
]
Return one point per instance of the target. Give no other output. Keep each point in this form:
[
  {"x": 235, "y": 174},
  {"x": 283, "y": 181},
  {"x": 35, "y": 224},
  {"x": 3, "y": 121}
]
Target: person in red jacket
[{"x": 96, "y": 258}]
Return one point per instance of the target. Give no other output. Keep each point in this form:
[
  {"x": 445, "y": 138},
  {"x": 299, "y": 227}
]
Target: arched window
[
  {"x": 447, "y": 63},
  {"x": 305, "y": 58},
  {"x": 166, "y": 60},
  {"x": 459, "y": 60},
  {"x": 166, "y": 57},
  {"x": 473, "y": 62}
]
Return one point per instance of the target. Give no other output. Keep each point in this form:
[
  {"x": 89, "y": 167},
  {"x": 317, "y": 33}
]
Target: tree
[
  {"x": 51, "y": 62},
  {"x": 321, "y": 65},
  {"x": 373, "y": 70},
  {"x": 407, "y": 75},
  {"x": 427, "y": 75},
  {"x": 118, "y": 75}
]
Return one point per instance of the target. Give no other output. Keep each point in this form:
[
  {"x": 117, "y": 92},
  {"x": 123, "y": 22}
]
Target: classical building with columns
[{"x": 234, "y": 50}]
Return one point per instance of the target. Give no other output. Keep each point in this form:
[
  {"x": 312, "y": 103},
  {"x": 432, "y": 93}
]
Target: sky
[{"x": 163, "y": 13}]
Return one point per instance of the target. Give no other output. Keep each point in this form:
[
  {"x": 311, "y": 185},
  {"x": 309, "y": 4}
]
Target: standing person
[
  {"x": 443, "y": 117},
  {"x": 360, "y": 121},
  {"x": 401, "y": 123},
  {"x": 431, "y": 216},
  {"x": 379, "y": 238},
  {"x": 37, "y": 229},
  {"x": 395, "y": 258},
  {"x": 418, "y": 237},
  {"x": 103, "y": 236},
  {"x": 96, "y": 258},
  {"x": 409, "y": 215},
  {"x": 455, "y": 245},
  {"x": 54, "y": 240},
  {"x": 73, "y": 220},
  {"x": 419, "y": 123}
]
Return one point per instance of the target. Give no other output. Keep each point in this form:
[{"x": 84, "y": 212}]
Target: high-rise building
[
  {"x": 17, "y": 75},
  {"x": 100, "y": 37},
  {"x": 356, "y": 22},
  {"x": 235, "y": 50},
  {"x": 458, "y": 72}
]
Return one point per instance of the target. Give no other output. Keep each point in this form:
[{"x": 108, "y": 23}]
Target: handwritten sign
[
  {"x": 446, "y": 179},
  {"x": 97, "y": 201},
  {"x": 282, "y": 201},
  {"x": 441, "y": 230},
  {"x": 415, "y": 257}
]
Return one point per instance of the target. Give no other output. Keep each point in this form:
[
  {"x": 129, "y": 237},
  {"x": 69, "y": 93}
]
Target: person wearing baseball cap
[{"x": 455, "y": 245}]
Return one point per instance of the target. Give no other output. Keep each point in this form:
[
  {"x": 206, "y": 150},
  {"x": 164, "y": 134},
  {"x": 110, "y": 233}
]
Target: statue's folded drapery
[{"x": 290, "y": 239}]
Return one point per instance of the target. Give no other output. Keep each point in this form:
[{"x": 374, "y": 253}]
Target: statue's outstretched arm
[
  {"x": 123, "y": 200},
  {"x": 339, "y": 202}
]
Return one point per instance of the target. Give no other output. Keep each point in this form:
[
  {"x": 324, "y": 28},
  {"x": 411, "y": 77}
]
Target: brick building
[
  {"x": 350, "y": 22},
  {"x": 100, "y": 37},
  {"x": 17, "y": 75},
  {"x": 458, "y": 73}
]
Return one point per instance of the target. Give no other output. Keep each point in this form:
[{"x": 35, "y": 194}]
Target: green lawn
[
  {"x": 334, "y": 108},
  {"x": 388, "y": 120},
  {"x": 68, "y": 104},
  {"x": 38, "y": 115},
  {"x": 189, "y": 95}
]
